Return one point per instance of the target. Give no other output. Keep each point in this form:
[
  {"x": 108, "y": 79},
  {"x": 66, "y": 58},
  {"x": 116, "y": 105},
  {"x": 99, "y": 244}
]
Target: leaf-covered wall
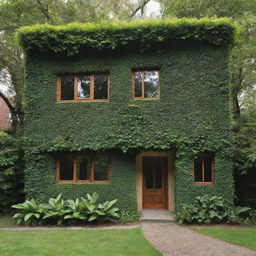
[{"x": 192, "y": 115}]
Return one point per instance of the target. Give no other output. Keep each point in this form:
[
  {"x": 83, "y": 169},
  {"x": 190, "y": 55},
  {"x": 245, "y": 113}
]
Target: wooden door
[{"x": 154, "y": 194}]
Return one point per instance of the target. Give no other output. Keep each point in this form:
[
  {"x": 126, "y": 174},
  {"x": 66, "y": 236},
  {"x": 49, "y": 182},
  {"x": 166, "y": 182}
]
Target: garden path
[{"x": 173, "y": 240}]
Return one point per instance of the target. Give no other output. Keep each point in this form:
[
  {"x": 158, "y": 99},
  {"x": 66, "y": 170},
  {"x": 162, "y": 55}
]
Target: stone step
[{"x": 155, "y": 215}]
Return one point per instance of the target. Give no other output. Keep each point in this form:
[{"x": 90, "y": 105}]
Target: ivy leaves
[{"x": 70, "y": 39}]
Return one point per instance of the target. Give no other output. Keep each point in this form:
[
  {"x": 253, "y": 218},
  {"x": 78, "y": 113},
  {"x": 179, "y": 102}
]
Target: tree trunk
[{"x": 14, "y": 112}]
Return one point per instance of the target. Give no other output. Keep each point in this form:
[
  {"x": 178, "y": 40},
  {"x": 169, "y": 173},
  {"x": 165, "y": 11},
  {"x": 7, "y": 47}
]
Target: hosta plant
[
  {"x": 100, "y": 211},
  {"x": 75, "y": 210},
  {"x": 59, "y": 211},
  {"x": 209, "y": 209},
  {"x": 29, "y": 212},
  {"x": 55, "y": 210}
]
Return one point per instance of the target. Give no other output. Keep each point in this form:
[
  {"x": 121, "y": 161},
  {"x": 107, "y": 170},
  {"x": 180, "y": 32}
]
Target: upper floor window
[
  {"x": 83, "y": 87},
  {"x": 83, "y": 168},
  {"x": 203, "y": 169},
  {"x": 145, "y": 84}
]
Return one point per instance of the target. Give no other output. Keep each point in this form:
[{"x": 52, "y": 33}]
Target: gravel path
[{"x": 173, "y": 240}]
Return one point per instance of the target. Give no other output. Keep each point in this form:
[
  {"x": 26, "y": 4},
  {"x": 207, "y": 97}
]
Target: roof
[{"x": 72, "y": 38}]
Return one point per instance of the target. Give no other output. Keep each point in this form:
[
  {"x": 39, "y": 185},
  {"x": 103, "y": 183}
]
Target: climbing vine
[{"x": 192, "y": 114}]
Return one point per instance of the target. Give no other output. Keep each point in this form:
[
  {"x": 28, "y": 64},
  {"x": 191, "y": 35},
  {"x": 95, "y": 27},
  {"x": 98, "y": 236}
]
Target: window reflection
[
  {"x": 146, "y": 84},
  {"x": 151, "y": 84},
  {"x": 88, "y": 87},
  {"x": 83, "y": 87}
]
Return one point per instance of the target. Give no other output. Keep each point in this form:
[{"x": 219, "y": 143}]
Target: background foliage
[{"x": 11, "y": 171}]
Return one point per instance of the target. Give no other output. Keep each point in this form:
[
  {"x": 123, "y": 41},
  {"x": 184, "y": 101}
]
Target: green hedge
[
  {"x": 71, "y": 39},
  {"x": 11, "y": 171}
]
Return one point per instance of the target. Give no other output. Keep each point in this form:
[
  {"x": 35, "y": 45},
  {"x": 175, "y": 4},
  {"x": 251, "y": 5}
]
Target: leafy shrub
[
  {"x": 129, "y": 216},
  {"x": 55, "y": 210},
  {"x": 11, "y": 171},
  {"x": 248, "y": 218},
  {"x": 75, "y": 210},
  {"x": 209, "y": 209},
  {"x": 30, "y": 212},
  {"x": 59, "y": 211}
]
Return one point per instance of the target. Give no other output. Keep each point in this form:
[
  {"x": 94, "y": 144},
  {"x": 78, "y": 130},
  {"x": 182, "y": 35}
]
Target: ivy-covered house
[{"x": 135, "y": 111}]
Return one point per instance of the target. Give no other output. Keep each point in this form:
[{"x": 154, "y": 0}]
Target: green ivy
[
  {"x": 73, "y": 38},
  {"x": 192, "y": 115}
]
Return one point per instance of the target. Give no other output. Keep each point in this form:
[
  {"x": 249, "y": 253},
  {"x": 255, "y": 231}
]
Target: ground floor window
[
  {"x": 83, "y": 168},
  {"x": 204, "y": 169}
]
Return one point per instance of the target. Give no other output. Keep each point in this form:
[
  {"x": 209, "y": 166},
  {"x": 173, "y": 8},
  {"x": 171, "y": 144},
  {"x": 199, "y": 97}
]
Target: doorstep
[{"x": 157, "y": 215}]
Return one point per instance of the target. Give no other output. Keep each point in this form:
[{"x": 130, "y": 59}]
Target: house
[
  {"x": 134, "y": 111},
  {"x": 5, "y": 116}
]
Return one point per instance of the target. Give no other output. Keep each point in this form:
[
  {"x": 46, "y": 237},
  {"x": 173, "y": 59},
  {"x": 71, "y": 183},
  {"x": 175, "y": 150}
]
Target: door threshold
[{"x": 157, "y": 215}]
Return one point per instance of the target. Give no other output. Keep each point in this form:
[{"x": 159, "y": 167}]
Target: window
[
  {"x": 83, "y": 87},
  {"x": 145, "y": 84},
  {"x": 83, "y": 168},
  {"x": 203, "y": 169}
]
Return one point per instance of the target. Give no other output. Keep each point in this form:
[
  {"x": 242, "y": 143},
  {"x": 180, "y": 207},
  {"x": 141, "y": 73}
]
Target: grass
[
  {"x": 240, "y": 236},
  {"x": 66, "y": 242},
  {"x": 6, "y": 221}
]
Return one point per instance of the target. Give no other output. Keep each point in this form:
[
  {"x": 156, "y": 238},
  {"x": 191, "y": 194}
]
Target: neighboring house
[
  {"x": 135, "y": 111},
  {"x": 5, "y": 116}
]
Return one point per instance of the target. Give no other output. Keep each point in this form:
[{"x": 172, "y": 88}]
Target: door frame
[{"x": 170, "y": 178}]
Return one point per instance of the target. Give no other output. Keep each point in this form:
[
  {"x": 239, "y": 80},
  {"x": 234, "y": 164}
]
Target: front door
[{"x": 154, "y": 194}]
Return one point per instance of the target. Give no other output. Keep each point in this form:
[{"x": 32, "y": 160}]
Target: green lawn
[
  {"x": 240, "y": 236},
  {"x": 75, "y": 243}
]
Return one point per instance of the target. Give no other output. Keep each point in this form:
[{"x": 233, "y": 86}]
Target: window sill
[
  {"x": 83, "y": 182},
  {"x": 146, "y": 99},
  {"x": 75, "y": 101},
  {"x": 203, "y": 183}
]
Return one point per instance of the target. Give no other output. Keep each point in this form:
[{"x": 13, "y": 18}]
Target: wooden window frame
[
  {"x": 203, "y": 171},
  {"x": 76, "y": 99},
  {"x": 142, "y": 85},
  {"x": 91, "y": 179}
]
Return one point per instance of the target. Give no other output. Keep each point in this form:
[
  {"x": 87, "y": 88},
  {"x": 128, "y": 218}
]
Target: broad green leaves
[{"x": 60, "y": 212}]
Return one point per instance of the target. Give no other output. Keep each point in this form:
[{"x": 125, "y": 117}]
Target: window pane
[
  {"x": 66, "y": 168},
  {"x": 198, "y": 170},
  {"x": 158, "y": 178},
  {"x": 138, "y": 84},
  {"x": 83, "y": 168},
  {"x": 100, "y": 167},
  {"x": 67, "y": 88},
  {"x": 100, "y": 86},
  {"x": 208, "y": 169},
  {"x": 149, "y": 178},
  {"x": 83, "y": 87},
  {"x": 151, "y": 89}
]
